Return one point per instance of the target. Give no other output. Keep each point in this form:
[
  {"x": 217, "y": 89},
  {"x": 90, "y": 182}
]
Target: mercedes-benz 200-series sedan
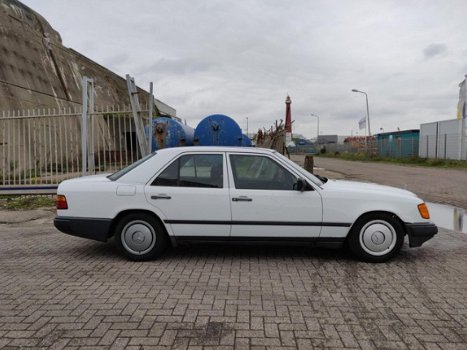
[{"x": 237, "y": 194}]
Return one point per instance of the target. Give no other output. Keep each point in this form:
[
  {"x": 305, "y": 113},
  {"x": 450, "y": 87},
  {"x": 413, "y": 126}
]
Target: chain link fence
[{"x": 393, "y": 148}]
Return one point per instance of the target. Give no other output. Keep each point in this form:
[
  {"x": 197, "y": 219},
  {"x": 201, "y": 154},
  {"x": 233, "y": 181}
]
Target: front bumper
[
  {"x": 97, "y": 229},
  {"x": 419, "y": 233}
]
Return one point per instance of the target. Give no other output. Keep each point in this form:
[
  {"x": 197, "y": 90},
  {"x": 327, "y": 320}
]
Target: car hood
[{"x": 354, "y": 186}]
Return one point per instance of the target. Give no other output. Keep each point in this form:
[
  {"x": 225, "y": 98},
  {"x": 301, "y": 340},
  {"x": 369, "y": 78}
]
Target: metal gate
[{"x": 41, "y": 148}]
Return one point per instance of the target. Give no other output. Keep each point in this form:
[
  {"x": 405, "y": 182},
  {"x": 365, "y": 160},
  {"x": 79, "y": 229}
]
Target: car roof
[{"x": 177, "y": 150}]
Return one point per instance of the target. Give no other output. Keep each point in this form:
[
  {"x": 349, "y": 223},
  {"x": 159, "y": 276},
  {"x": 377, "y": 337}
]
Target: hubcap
[
  {"x": 378, "y": 237},
  {"x": 138, "y": 237}
]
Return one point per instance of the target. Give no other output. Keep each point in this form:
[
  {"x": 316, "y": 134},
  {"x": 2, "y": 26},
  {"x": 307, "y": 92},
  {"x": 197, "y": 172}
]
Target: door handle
[
  {"x": 161, "y": 196},
  {"x": 242, "y": 199}
]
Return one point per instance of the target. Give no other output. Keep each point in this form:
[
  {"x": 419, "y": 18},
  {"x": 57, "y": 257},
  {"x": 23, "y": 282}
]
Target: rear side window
[
  {"x": 124, "y": 171},
  {"x": 195, "y": 170},
  {"x": 169, "y": 176}
]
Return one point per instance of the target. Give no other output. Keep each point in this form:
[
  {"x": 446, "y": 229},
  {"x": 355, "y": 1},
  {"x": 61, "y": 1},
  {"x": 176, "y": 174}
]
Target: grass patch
[
  {"x": 429, "y": 162},
  {"x": 26, "y": 202}
]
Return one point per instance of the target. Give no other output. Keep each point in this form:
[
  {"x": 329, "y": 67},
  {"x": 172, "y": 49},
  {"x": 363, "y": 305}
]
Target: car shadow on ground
[
  {"x": 84, "y": 249},
  {"x": 263, "y": 251},
  {"x": 218, "y": 250}
]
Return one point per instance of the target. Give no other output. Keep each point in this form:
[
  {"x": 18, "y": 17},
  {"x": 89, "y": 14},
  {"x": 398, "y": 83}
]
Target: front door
[{"x": 265, "y": 201}]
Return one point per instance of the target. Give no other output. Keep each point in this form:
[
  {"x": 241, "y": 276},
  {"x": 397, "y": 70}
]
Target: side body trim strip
[{"x": 257, "y": 223}]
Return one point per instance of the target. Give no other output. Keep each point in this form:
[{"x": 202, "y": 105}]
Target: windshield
[
  {"x": 120, "y": 173},
  {"x": 302, "y": 171}
]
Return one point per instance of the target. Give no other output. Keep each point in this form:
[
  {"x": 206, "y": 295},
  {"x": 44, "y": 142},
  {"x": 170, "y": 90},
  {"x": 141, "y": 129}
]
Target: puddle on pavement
[{"x": 448, "y": 217}]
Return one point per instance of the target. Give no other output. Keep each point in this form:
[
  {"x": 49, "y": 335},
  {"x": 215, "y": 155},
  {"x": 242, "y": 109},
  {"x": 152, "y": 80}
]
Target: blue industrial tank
[
  {"x": 246, "y": 141},
  {"x": 218, "y": 130},
  {"x": 167, "y": 132}
]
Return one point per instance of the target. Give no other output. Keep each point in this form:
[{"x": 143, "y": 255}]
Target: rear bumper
[
  {"x": 419, "y": 233},
  {"x": 97, "y": 229}
]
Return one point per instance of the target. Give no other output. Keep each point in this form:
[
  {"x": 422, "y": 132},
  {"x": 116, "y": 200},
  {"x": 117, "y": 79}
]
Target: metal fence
[
  {"x": 445, "y": 139},
  {"x": 40, "y": 148},
  {"x": 394, "y": 148},
  {"x": 353, "y": 145},
  {"x": 441, "y": 146},
  {"x": 398, "y": 147}
]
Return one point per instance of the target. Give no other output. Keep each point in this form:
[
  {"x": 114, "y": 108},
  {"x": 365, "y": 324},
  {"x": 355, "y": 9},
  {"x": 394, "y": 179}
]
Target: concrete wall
[{"x": 37, "y": 71}]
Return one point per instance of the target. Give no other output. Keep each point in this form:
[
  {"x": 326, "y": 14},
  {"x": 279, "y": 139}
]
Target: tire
[
  {"x": 376, "y": 237},
  {"x": 140, "y": 237}
]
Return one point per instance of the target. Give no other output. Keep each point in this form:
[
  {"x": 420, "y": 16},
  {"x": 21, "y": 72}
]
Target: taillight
[
  {"x": 423, "y": 209},
  {"x": 60, "y": 202}
]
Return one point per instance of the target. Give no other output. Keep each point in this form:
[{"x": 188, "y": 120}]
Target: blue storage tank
[
  {"x": 246, "y": 141},
  {"x": 218, "y": 130},
  {"x": 167, "y": 132}
]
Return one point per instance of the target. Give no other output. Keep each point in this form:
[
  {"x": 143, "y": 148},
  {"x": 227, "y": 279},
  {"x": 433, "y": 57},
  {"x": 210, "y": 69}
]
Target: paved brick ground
[{"x": 58, "y": 291}]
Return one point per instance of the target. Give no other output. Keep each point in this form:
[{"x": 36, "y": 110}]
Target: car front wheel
[
  {"x": 140, "y": 236},
  {"x": 376, "y": 237}
]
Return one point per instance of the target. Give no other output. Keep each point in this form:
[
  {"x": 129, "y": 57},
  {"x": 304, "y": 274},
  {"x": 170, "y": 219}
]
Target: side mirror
[
  {"x": 301, "y": 184},
  {"x": 322, "y": 178}
]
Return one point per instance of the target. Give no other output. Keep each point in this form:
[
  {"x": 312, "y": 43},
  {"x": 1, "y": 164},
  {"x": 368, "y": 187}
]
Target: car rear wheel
[
  {"x": 140, "y": 236},
  {"x": 376, "y": 237}
]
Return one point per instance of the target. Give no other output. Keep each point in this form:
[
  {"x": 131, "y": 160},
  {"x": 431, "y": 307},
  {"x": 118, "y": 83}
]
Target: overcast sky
[{"x": 242, "y": 58}]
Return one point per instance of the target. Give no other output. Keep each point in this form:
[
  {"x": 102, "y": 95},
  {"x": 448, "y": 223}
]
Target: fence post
[
  {"x": 400, "y": 147},
  {"x": 459, "y": 141},
  {"x": 150, "y": 108},
  {"x": 445, "y": 145},
  {"x": 427, "y": 139},
  {"x": 87, "y": 88},
  {"x": 91, "y": 161},
  {"x": 84, "y": 129}
]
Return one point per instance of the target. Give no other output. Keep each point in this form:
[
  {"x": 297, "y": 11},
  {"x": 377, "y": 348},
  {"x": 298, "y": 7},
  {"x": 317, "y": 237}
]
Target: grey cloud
[
  {"x": 178, "y": 66},
  {"x": 434, "y": 50},
  {"x": 242, "y": 58},
  {"x": 117, "y": 60}
]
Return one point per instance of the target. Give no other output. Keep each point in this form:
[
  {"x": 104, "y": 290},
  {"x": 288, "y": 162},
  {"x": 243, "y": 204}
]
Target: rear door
[
  {"x": 192, "y": 192},
  {"x": 265, "y": 201}
]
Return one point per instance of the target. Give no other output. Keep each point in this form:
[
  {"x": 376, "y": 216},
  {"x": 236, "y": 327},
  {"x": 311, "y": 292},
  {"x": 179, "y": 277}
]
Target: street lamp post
[
  {"x": 317, "y": 130},
  {"x": 247, "y": 126},
  {"x": 367, "y": 109},
  {"x": 367, "y": 115}
]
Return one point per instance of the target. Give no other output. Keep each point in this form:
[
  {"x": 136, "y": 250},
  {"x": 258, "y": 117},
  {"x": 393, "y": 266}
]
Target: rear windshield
[{"x": 120, "y": 173}]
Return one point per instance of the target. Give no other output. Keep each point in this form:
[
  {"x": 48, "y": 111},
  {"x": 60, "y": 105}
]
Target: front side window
[
  {"x": 195, "y": 170},
  {"x": 260, "y": 173}
]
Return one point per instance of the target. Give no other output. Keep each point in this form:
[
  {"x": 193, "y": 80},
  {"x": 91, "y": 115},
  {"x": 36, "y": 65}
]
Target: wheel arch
[
  {"x": 126, "y": 212},
  {"x": 363, "y": 215}
]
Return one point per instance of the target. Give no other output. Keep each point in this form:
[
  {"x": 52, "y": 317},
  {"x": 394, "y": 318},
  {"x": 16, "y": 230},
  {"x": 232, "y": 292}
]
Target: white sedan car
[{"x": 237, "y": 194}]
